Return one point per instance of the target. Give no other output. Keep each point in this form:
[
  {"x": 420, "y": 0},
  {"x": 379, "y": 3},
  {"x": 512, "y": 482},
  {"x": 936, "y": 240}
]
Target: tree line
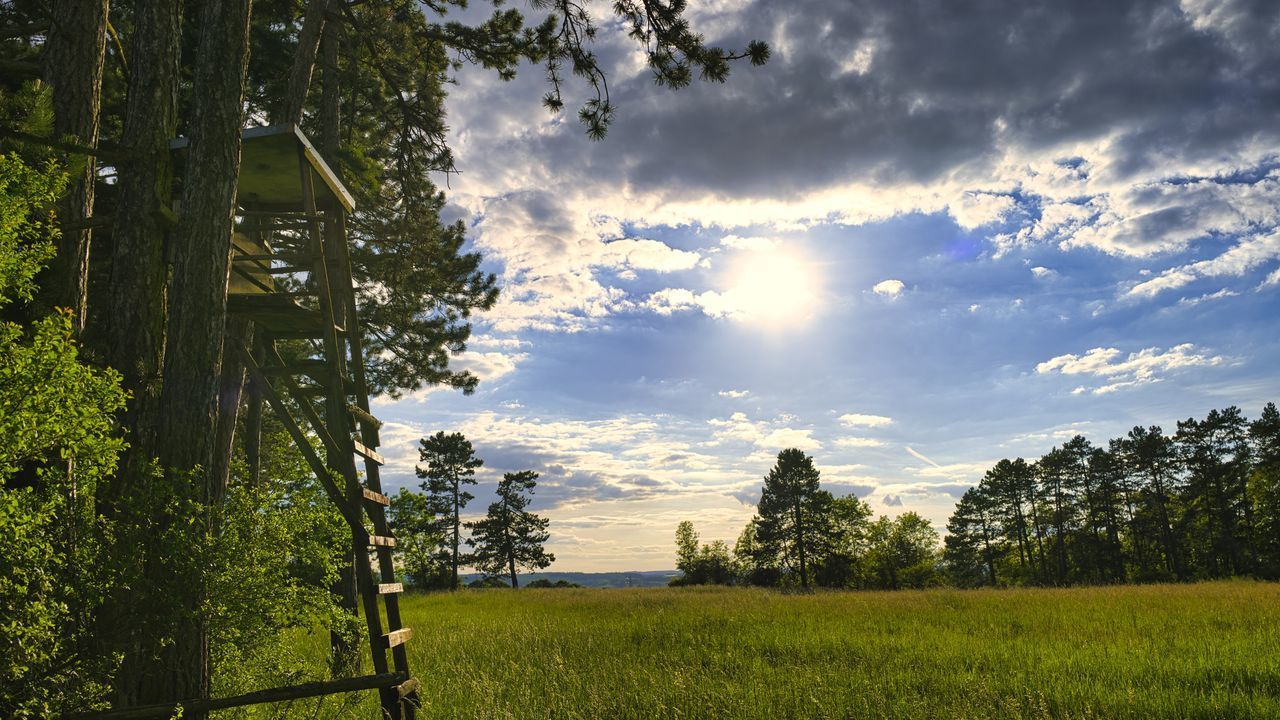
[
  {"x": 1200, "y": 503},
  {"x": 429, "y": 527},
  {"x": 803, "y": 536}
]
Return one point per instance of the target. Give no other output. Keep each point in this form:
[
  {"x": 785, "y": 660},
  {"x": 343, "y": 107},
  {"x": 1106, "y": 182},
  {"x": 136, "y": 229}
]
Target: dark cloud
[
  {"x": 892, "y": 501},
  {"x": 937, "y": 84}
]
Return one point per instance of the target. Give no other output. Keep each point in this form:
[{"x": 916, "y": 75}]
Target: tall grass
[{"x": 1170, "y": 651}]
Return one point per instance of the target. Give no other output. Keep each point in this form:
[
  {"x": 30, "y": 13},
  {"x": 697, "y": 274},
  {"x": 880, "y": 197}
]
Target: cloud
[
  {"x": 784, "y": 438},
  {"x": 1043, "y": 273},
  {"x": 748, "y": 243},
  {"x": 976, "y": 209},
  {"x": 735, "y": 394},
  {"x": 891, "y": 501},
  {"x": 1245, "y": 255},
  {"x": 913, "y": 453},
  {"x": 861, "y": 420},
  {"x": 1144, "y": 366},
  {"x": 642, "y": 254},
  {"x": 888, "y": 288},
  {"x": 858, "y": 442}
]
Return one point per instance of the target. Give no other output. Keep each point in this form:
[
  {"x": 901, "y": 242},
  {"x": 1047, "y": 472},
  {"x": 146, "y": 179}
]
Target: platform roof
[{"x": 269, "y": 171}]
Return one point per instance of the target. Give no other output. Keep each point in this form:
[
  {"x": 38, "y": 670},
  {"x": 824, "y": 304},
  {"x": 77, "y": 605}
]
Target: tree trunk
[
  {"x": 73, "y": 58},
  {"x": 133, "y": 344},
  {"x": 457, "y": 532},
  {"x": 304, "y": 59}
]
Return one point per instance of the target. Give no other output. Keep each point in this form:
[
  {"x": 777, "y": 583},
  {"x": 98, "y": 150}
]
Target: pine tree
[
  {"x": 968, "y": 552},
  {"x": 1264, "y": 490},
  {"x": 793, "y": 514},
  {"x": 451, "y": 464},
  {"x": 510, "y": 537}
]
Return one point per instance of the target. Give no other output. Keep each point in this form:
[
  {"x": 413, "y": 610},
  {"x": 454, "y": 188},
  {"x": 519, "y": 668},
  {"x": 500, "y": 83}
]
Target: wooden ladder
[{"x": 329, "y": 390}]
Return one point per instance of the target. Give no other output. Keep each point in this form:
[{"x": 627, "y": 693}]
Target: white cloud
[
  {"x": 976, "y": 209},
  {"x": 736, "y": 394},
  {"x": 1247, "y": 254},
  {"x": 748, "y": 243},
  {"x": 913, "y": 453},
  {"x": 1144, "y": 366},
  {"x": 643, "y": 254},
  {"x": 1193, "y": 301},
  {"x": 783, "y": 438},
  {"x": 1043, "y": 273},
  {"x": 858, "y": 442},
  {"x": 889, "y": 288},
  {"x": 861, "y": 420}
]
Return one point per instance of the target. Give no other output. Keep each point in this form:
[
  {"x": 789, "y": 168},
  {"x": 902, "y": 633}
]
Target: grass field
[{"x": 1171, "y": 651}]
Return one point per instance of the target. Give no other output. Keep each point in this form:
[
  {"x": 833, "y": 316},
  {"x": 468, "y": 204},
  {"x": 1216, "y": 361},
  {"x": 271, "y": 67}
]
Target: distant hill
[{"x": 643, "y": 578}]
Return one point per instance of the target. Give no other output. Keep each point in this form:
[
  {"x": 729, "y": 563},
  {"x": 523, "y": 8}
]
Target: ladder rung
[
  {"x": 368, "y": 453},
  {"x": 287, "y": 257},
  {"x": 298, "y": 367},
  {"x": 397, "y": 637},
  {"x": 408, "y": 687},
  {"x": 390, "y": 588},
  {"x": 382, "y": 541},
  {"x": 305, "y": 334},
  {"x": 376, "y": 498}
]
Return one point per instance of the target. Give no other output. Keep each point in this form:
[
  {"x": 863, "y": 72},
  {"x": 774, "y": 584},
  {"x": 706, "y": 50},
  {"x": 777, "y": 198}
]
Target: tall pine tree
[
  {"x": 451, "y": 464},
  {"x": 510, "y": 537}
]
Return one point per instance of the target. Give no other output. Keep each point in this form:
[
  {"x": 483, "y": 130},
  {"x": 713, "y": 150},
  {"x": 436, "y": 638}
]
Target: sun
[{"x": 776, "y": 287}]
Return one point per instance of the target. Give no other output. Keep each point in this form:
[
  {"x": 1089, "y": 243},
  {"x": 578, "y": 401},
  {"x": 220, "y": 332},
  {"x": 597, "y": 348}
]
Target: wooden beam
[
  {"x": 382, "y": 541},
  {"x": 301, "y": 441},
  {"x": 398, "y": 637},
  {"x": 291, "y": 692},
  {"x": 390, "y": 588},
  {"x": 408, "y": 687},
  {"x": 368, "y": 453},
  {"x": 376, "y": 498}
]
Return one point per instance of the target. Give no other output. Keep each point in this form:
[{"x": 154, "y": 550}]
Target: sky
[{"x": 925, "y": 236}]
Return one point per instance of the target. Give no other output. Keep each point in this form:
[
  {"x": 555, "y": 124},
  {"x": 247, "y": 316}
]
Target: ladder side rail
[
  {"x": 345, "y": 291},
  {"x": 336, "y": 417}
]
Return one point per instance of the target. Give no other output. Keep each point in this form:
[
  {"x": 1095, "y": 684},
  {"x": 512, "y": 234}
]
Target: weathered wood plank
[
  {"x": 397, "y": 637},
  {"x": 291, "y": 692},
  {"x": 390, "y": 588},
  {"x": 368, "y": 453},
  {"x": 382, "y": 541},
  {"x": 376, "y": 498}
]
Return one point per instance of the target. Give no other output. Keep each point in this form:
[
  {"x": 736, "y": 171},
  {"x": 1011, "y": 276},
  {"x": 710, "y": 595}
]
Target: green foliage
[
  {"x": 420, "y": 541},
  {"x": 1148, "y": 507},
  {"x": 793, "y": 528},
  {"x": 57, "y": 443},
  {"x": 271, "y": 563},
  {"x": 903, "y": 553},
  {"x": 510, "y": 537},
  {"x": 27, "y": 230},
  {"x": 451, "y": 464},
  {"x": 543, "y": 583},
  {"x": 710, "y": 564}
]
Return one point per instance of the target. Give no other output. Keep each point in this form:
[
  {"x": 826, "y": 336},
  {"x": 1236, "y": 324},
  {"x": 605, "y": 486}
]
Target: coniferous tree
[
  {"x": 1264, "y": 490},
  {"x": 510, "y": 537},
  {"x": 793, "y": 514},
  {"x": 968, "y": 552},
  {"x": 1150, "y": 455},
  {"x": 451, "y": 464}
]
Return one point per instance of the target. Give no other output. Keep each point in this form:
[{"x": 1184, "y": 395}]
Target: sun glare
[{"x": 773, "y": 288}]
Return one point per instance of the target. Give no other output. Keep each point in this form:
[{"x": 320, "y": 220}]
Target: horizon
[{"x": 971, "y": 238}]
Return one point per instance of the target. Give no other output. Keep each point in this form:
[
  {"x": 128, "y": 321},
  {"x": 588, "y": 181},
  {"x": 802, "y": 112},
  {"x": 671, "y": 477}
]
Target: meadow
[{"x": 1208, "y": 650}]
